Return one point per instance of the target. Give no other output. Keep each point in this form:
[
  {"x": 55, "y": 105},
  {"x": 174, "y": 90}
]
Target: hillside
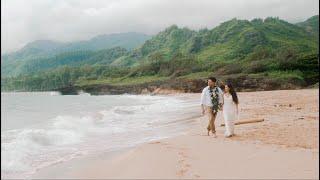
[
  {"x": 47, "y": 48},
  {"x": 71, "y": 59},
  {"x": 230, "y": 40},
  {"x": 311, "y": 25},
  {"x": 166, "y": 43},
  {"x": 258, "y": 54}
]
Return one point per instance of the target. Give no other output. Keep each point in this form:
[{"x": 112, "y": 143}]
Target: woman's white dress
[{"x": 229, "y": 114}]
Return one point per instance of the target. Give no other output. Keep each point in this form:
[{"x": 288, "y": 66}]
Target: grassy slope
[{"x": 254, "y": 49}]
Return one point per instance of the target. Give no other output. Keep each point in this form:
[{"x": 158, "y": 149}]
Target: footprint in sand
[
  {"x": 181, "y": 172},
  {"x": 183, "y": 154},
  {"x": 196, "y": 176},
  {"x": 156, "y": 142},
  {"x": 166, "y": 145},
  {"x": 184, "y": 167}
]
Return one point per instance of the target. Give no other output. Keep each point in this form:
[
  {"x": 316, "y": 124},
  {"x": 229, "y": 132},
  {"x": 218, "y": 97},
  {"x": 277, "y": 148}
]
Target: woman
[{"x": 230, "y": 108}]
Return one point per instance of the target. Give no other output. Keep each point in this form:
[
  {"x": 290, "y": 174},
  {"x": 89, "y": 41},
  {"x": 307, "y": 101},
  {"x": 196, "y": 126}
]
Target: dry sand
[{"x": 285, "y": 145}]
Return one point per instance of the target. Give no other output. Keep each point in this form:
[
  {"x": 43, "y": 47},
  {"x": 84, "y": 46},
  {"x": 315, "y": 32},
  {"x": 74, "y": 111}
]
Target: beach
[{"x": 284, "y": 145}]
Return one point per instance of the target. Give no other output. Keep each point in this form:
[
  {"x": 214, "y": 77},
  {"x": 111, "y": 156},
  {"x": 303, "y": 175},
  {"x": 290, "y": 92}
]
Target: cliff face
[{"x": 241, "y": 83}]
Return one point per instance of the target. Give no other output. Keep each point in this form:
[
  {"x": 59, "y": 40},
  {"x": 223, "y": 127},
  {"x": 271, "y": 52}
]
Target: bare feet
[{"x": 214, "y": 135}]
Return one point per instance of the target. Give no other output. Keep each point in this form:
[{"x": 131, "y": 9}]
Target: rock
[
  {"x": 145, "y": 91},
  {"x": 243, "y": 83},
  {"x": 68, "y": 90}
]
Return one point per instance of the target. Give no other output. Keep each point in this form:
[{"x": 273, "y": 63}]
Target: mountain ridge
[
  {"x": 41, "y": 48},
  {"x": 272, "y": 51}
]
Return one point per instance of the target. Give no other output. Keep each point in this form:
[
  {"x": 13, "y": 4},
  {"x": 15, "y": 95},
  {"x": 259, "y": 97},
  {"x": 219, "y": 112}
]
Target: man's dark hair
[{"x": 213, "y": 79}]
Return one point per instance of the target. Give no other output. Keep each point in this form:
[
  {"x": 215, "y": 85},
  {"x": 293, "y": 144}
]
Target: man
[{"x": 212, "y": 102}]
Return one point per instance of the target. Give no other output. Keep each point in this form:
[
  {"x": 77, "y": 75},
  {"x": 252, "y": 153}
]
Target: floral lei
[{"x": 215, "y": 99}]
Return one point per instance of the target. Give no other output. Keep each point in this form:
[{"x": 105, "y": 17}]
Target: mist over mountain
[
  {"x": 269, "y": 48},
  {"x": 311, "y": 25},
  {"x": 43, "y": 48}
]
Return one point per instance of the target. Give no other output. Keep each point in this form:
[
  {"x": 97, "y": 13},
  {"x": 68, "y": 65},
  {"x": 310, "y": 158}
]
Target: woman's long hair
[{"x": 233, "y": 93}]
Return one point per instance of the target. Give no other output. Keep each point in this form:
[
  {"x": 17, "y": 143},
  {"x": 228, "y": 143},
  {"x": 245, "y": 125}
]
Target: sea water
[{"x": 39, "y": 129}]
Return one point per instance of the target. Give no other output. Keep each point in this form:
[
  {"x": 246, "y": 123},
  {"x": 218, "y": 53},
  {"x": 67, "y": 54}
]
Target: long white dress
[{"x": 229, "y": 114}]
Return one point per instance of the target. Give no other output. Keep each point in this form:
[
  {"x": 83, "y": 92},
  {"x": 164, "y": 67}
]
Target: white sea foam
[
  {"x": 55, "y": 93},
  {"x": 66, "y": 136}
]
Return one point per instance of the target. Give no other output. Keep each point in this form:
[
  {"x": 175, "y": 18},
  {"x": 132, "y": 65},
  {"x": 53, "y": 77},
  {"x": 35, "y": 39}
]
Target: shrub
[{"x": 255, "y": 67}]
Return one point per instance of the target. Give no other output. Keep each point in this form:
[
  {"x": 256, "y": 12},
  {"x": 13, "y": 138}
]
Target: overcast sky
[{"x": 23, "y": 21}]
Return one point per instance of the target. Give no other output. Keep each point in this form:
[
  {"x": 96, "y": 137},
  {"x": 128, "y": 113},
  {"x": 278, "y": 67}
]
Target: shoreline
[
  {"x": 191, "y": 157},
  {"x": 161, "y": 91},
  {"x": 285, "y": 145}
]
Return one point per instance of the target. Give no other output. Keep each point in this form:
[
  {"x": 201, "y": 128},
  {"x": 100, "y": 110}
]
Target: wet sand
[{"x": 285, "y": 145}]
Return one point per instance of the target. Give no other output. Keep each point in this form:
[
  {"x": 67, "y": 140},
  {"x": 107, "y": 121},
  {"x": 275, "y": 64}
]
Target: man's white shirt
[{"x": 206, "y": 98}]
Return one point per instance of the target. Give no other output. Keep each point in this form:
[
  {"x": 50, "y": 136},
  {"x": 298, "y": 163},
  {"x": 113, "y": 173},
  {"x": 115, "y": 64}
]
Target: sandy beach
[{"x": 285, "y": 145}]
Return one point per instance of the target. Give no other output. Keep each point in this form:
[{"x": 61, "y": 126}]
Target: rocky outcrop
[
  {"x": 176, "y": 85},
  {"x": 157, "y": 87}
]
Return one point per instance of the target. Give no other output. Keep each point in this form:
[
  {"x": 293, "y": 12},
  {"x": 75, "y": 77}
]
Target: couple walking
[{"x": 213, "y": 99}]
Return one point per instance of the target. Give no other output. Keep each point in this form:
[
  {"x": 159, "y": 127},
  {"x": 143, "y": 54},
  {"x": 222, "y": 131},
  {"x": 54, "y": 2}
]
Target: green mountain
[
  {"x": 311, "y": 25},
  {"x": 230, "y": 40},
  {"x": 166, "y": 43},
  {"x": 47, "y": 48},
  {"x": 269, "y": 51},
  {"x": 34, "y": 49},
  {"x": 128, "y": 41},
  {"x": 71, "y": 59}
]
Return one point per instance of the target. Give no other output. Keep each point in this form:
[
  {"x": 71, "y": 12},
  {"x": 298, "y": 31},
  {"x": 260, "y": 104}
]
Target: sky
[{"x": 24, "y": 21}]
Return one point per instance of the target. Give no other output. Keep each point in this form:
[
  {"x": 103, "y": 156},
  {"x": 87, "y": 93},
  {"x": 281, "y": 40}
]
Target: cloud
[{"x": 69, "y": 20}]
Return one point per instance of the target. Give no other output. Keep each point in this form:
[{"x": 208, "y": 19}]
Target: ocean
[{"x": 40, "y": 129}]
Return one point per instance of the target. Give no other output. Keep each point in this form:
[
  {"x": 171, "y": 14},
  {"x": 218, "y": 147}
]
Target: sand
[{"x": 285, "y": 145}]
